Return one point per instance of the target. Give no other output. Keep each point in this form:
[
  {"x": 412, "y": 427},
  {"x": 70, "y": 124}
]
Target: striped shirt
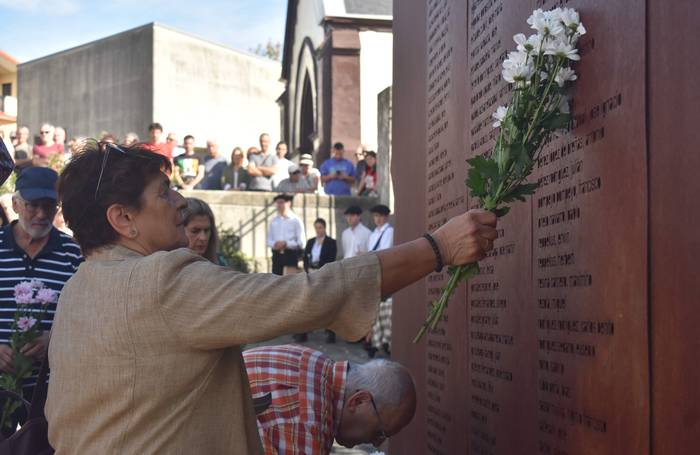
[
  {"x": 308, "y": 391},
  {"x": 54, "y": 265}
]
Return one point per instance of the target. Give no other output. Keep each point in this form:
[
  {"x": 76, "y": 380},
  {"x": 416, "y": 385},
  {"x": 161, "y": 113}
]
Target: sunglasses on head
[{"x": 108, "y": 147}]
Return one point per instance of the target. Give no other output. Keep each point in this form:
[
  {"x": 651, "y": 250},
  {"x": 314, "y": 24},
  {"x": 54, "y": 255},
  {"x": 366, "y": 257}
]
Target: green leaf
[
  {"x": 476, "y": 183},
  {"x": 523, "y": 164},
  {"x": 488, "y": 171},
  {"x": 556, "y": 121},
  {"x": 519, "y": 192},
  {"x": 503, "y": 211}
]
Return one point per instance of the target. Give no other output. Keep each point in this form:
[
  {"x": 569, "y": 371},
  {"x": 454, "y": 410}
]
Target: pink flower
[
  {"x": 46, "y": 296},
  {"x": 36, "y": 284},
  {"x": 25, "y": 323},
  {"x": 23, "y": 288},
  {"x": 24, "y": 299}
]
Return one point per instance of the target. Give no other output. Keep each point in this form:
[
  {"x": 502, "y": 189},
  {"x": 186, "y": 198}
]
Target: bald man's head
[{"x": 380, "y": 400}]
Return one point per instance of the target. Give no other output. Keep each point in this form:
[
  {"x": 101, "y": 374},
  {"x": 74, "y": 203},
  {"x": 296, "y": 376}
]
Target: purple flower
[
  {"x": 46, "y": 296},
  {"x": 36, "y": 284},
  {"x": 24, "y": 299},
  {"x": 25, "y": 323},
  {"x": 23, "y": 288}
]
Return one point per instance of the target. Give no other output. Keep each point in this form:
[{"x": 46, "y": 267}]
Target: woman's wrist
[{"x": 439, "y": 262}]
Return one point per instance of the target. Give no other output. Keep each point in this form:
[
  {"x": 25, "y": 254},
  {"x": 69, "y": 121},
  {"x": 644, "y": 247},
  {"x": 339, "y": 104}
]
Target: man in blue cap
[{"x": 31, "y": 248}]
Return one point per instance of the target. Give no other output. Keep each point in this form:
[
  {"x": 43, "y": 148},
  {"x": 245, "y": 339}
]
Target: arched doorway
[{"x": 307, "y": 128}]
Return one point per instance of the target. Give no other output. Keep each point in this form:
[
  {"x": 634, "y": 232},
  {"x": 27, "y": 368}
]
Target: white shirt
[
  {"x": 282, "y": 173},
  {"x": 355, "y": 241},
  {"x": 288, "y": 229},
  {"x": 316, "y": 252},
  {"x": 386, "y": 240}
]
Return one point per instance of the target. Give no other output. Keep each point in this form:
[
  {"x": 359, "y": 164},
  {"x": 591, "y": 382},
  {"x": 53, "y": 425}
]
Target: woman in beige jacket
[{"x": 145, "y": 350}]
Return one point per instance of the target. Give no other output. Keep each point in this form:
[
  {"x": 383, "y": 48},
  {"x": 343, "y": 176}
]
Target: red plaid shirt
[{"x": 307, "y": 390}]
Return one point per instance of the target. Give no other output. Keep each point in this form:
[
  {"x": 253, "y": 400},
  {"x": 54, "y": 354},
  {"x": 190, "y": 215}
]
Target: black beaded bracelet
[{"x": 439, "y": 264}]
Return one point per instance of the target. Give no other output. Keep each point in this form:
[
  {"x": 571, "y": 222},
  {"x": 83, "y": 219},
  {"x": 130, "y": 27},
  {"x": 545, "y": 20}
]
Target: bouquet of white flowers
[{"x": 539, "y": 71}]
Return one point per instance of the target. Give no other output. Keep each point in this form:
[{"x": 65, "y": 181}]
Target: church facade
[{"x": 337, "y": 59}]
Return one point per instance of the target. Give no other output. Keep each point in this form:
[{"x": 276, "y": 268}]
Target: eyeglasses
[
  {"x": 47, "y": 206},
  {"x": 382, "y": 434},
  {"x": 108, "y": 146}
]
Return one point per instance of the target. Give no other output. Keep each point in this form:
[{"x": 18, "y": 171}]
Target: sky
[{"x": 30, "y": 29}]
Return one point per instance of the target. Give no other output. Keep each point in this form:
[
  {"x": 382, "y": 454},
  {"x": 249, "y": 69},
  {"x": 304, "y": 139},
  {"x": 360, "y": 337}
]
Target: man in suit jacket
[{"x": 319, "y": 251}]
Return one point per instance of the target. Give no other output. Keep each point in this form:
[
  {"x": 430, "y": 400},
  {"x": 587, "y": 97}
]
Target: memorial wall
[{"x": 554, "y": 348}]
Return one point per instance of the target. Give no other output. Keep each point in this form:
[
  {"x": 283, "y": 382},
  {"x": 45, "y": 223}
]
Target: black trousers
[{"x": 282, "y": 259}]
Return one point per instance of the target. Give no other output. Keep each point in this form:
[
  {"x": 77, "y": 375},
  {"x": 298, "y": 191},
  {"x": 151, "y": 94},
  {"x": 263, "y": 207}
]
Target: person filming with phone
[{"x": 337, "y": 173}]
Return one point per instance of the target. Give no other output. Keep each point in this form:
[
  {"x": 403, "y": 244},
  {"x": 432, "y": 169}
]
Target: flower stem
[
  {"x": 535, "y": 118},
  {"x": 460, "y": 274}
]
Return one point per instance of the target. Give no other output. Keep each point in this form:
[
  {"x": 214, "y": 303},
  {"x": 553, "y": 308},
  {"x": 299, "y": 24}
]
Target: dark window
[
  {"x": 7, "y": 89},
  {"x": 308, "y": 125}
]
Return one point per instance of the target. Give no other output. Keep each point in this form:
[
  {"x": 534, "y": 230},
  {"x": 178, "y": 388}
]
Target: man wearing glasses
[
  {"x": 31, "y": 248},
  {"x": 316, "y": 400},
  {"x": 42, "y": 152}
]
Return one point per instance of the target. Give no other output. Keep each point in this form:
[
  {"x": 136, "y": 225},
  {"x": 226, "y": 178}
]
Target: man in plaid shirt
[{"x": 316, "y": 400}]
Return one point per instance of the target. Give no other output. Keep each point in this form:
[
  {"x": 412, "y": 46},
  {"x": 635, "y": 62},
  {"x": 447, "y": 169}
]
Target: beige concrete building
[
  {"x": 124, "y": 82},
  {"x": 8, "y": 95},
  {"x": 337, "y": 58}
]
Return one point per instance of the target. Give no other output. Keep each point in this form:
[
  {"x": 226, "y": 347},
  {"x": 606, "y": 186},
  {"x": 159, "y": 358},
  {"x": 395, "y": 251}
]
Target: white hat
[{"x": 306, "y": 159}]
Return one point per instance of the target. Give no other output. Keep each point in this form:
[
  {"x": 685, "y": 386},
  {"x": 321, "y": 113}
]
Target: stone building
[
  {"x": 337, "y": 58},
  {"x": 124, "y": 82}
]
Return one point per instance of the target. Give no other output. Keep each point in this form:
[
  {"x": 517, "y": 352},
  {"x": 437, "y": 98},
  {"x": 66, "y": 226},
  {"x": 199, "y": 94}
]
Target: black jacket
[{"x": 329, "y": 250}]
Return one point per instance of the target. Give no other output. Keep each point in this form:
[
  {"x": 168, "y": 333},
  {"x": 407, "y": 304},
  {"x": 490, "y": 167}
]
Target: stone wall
[
  {"x": 250, "y": 213},
  {"x": 154, "y": 73},
  {"x": 106, "y": 85},
  {"x": 214, "y": 92},
  {"x": 384, "y": 115}
]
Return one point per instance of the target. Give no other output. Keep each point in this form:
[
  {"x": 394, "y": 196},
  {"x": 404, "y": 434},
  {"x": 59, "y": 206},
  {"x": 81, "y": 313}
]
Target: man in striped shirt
[
  {"x": 31, "y": 248},
  {"x": 316, "y": 400}
]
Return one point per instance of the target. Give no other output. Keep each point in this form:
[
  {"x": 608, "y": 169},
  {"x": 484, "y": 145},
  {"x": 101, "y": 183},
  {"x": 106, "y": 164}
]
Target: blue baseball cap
[{"x": 37, "y": 183}]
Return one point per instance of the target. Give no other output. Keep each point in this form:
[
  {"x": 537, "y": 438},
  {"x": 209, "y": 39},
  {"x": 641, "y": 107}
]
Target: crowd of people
[
  {"x": 287, "y": 240},
  {"x": 145, "y": 342},
  {"x": 257, "y": 169}
]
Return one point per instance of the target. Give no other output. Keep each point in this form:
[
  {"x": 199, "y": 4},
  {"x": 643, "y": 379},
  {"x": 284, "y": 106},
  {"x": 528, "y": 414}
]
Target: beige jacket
[{"x": 145, "y": 351}]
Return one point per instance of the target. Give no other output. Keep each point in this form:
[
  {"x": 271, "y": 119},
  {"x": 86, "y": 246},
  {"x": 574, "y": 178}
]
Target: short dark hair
[
  {"x": 320, "y": 221},
  {"x": 381, "y": 210},
  {"x": 123, "y": 180},
  {"x": 189, "y": 136},
  {"x": 353, "y": 210},
  {"x": 338, "y": 146},
  {"x": 280, "y": 143},
  {"x": 371, "y": 153},
  {"x": 283, "y": 196},
  {"x": 155, "y": 126}
]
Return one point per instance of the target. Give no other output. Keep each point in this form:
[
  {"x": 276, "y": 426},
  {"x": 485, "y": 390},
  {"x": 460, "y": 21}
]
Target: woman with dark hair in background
[
  {"x": 146, "y": 343},
  {"x": 368, "y": 182},
  {"x": 319, "y": 251},
  {"x": 200, "y": 228}
]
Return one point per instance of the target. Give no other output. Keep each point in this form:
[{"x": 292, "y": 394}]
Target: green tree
[{"x": 271, "y": 50}]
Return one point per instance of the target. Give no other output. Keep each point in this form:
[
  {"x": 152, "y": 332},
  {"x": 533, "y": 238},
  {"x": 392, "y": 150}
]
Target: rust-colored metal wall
[
  {"x": 674, "y": 111},
  {"x": 577, "y": 338},
  {"x": 408, "y": 161}
]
